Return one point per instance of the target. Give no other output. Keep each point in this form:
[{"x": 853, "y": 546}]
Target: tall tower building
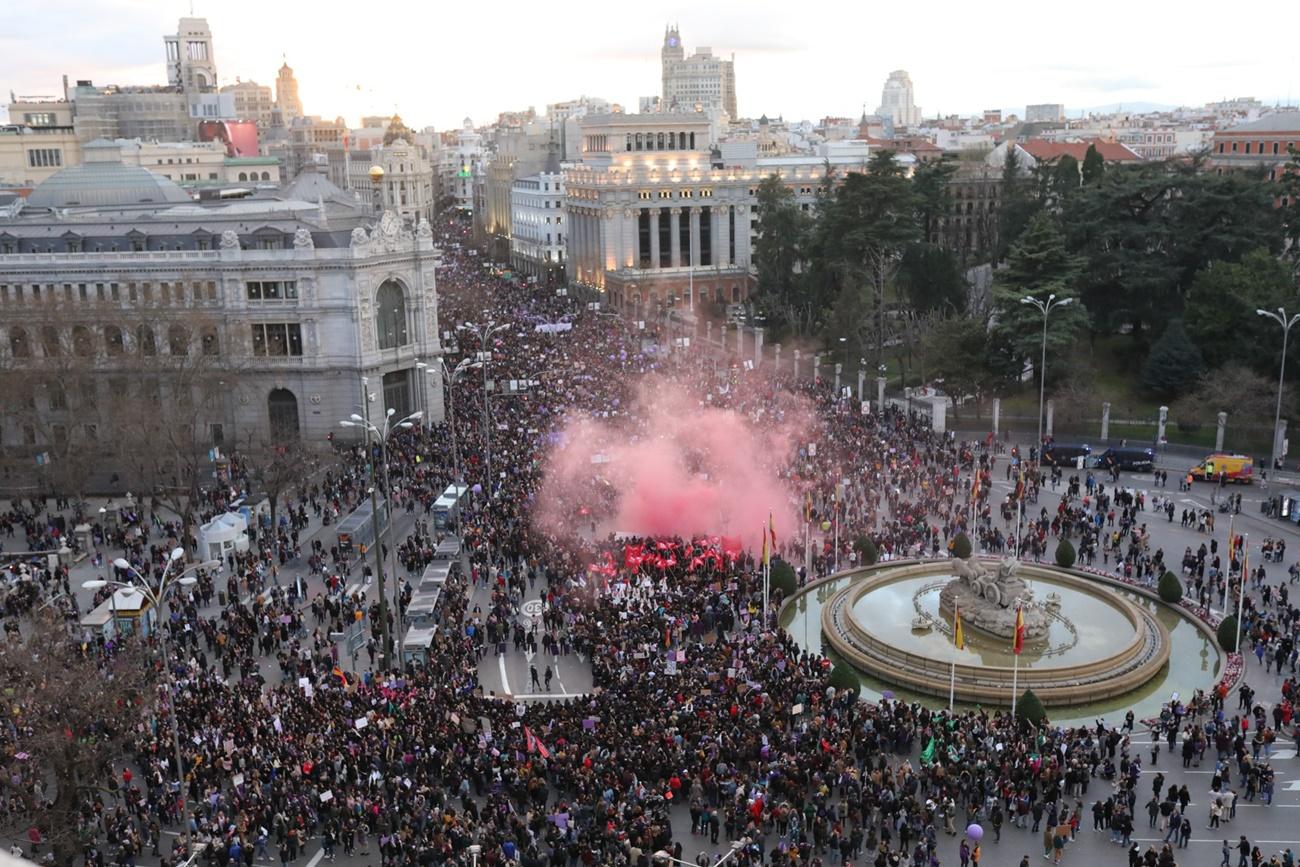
[
  {"x": 191, "y": 63},
  {"x": 699, "y": 82},
  {"x": 897, "y": 102},
  {"x": 286, "y": 95},
  {"x": 671, "y": 54}
]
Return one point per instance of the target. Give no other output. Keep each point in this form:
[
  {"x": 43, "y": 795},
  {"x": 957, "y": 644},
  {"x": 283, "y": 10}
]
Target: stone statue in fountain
[{"x": 988, "y": 599}]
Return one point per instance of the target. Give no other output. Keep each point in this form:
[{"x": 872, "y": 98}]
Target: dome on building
[{"x": 102, "y": 179}]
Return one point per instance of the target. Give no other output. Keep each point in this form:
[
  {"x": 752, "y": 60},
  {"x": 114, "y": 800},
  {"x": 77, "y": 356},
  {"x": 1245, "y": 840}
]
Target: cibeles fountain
[
  {"x": 989, "y": 598},
  {"x": 1084, "y": 641}
]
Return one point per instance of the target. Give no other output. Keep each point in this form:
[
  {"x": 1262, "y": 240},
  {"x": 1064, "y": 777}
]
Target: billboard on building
[{"x": 239, "y": 136}]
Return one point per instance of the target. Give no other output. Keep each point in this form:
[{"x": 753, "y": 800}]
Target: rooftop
[{"x": 104, "y": 180}]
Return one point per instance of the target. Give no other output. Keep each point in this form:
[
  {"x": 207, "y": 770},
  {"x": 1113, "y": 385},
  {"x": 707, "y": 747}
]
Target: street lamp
[
  {"x": 381, "y": 433},
  {"x": 156, "y": 594},
  {"x": 1044, "y": 307},
  {"x": 484, "y": 334},
  {"x": 450, "y": 376},
  {"x": 1280, "y": 318}
]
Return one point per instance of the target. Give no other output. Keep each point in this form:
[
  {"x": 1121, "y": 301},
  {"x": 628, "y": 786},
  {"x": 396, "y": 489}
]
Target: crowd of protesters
[{"x": 706, "y": 725}]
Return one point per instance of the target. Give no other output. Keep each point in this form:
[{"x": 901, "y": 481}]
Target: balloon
[
  {"x": 478, "y": 489},
  {"x": 975, "y": 832}
]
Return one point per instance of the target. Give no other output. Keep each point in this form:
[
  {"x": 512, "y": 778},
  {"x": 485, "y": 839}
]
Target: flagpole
[
  {"x": 1015, "y": 684},
  {"x": 952, "y": 668},
  {"x": 767, "y": 571},
  {"x": 1232, "y": 523},
  {"x": 1241, "y": 588}
]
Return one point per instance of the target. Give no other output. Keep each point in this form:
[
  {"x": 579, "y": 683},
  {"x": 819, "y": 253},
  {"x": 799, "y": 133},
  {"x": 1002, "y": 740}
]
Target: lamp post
[
  {"x": 156, "y": 594},
  {"x": 1044, "y": 307},
  {"x": 484, "y": 334},
  {"x": 376, "y": 175},
  {"x": 1280, "y": 318},
  {"x": 450, "y": 376},
  {"x": 381, "y": 434}
]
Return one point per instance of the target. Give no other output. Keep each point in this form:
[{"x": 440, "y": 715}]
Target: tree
[
  {"x": 1065, "y": 178},
  {"x": 930, "y": 279},
  {"x": 1065, "y": 554},
  {"x": 73, "y": 711},
  {"x": 1220, "y": 314},
  {"x": 1235, "y": 389},
  {"x": 1170, "y": 588},
  {"x": 958, "y": 351},
  {"x": 1038, "y": 266},
  {"x": 1020, "y": 202},
  {"x": 1174, "y": 364},
  {"x": 960, "y": 546},
  {"x": 844, "y": 678},
  {"x": 1227, "y": 633},
  {"x": 1094, "y": 167},
  {"x": 931, "y": 183},
  {"x": 783, "y": 578},
  {"x": 867, "y": 554},
  {"x": 1030, "y": 708},
  {"x": 280, "y": 467},
  {"x": 778, "y": 255}
]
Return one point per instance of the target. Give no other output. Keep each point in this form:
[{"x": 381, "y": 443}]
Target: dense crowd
[{"x": 706, "y": 725}]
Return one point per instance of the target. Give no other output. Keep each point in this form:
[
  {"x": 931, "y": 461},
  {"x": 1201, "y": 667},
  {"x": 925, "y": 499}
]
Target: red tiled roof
[{"x": 1111, "y": 152}]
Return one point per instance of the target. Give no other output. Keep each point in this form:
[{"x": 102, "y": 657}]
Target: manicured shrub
[
  {"x": 1065, "y": 555},
  {"x": 1171, "y": 589},
  {"x": 960, "y": 546},
  {"x": 1030, "y": 708},
  {"x": 1228, "y": 633},
  {"x": 867, "y": 554}
]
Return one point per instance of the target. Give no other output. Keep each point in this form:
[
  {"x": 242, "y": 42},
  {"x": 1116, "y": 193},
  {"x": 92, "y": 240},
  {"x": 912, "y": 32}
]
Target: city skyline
[{"x": 440, "y": 80}]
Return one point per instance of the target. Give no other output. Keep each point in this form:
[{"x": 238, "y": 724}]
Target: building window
[
  {"x": 44, "y": 158},
  {"x": 706, "y": 194},
  {"x": 19, "y": 346},
  {"x": 146, "y": 341},
  {"x": 211, "y": 342},
  {"x": 272, "y": 290},
  {"x": 277, "y": 339}
]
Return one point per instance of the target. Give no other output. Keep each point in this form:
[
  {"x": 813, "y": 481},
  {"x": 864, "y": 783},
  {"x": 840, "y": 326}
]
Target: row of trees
[{"x": 1170, "y": 254}]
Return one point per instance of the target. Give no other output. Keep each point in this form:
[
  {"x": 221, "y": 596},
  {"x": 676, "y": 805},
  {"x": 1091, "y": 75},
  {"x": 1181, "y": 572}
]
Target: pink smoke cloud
[{"x": 674, "y": 465}]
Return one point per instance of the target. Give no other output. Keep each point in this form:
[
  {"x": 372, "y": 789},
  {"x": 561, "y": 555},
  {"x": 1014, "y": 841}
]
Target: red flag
[
  {"x": 534, "y": 744},
  {"x": 1020, "y": 631}
]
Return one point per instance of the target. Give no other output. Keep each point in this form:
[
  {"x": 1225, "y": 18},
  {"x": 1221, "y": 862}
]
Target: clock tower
[{"x": 671, "y": 54}]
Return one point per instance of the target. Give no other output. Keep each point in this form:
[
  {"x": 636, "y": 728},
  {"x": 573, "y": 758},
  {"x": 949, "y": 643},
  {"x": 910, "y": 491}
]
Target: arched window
[
  {"x": 146, "y": 341},
  {"x": 266, "y": 176},
  {"x": 243, "y": 176},
  {"x": 390, "y": 315},
  {"x": 50, "y": 341},
  {"x": 19, "y": 345},
  {"x": 282, "y": 413},
  {"x": 83, "y": 345},
  {"x": 178, "y": 340},
  {"x": 113, "y": 340}
]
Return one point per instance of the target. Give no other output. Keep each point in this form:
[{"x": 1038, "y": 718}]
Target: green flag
[{"x": 927, "y": 754}]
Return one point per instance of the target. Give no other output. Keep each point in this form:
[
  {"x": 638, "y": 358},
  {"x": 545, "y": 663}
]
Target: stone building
[
  {"x": 700, "y": 82},
  {"x": 114, "y": 283}
]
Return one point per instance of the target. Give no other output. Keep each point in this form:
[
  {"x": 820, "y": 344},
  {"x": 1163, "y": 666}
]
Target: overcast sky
[{"x": 438, "y": 62}]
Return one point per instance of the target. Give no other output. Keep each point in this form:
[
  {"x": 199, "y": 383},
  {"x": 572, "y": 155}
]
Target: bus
[{"x": 358, "y": 530}]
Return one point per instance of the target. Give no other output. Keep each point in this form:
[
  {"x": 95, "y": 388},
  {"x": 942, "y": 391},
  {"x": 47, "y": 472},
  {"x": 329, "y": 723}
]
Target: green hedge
[
  {"x": 1227, "y": 633},
  {"x": 1030, "y": 708},
  {"x": 867, "y": 553},
  {"x": 783, "y": 577},
  {"x": 1171, "y": 589},
  {"x": 960, "y": 546},
  {"x": 844, "y": 676},
  {"x": 1065, "y": 555}
]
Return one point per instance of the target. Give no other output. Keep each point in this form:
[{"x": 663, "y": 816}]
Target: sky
[{"x": 438, "y": 62}]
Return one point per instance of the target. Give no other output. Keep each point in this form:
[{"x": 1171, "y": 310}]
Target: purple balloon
[
  {"x": 478, "y": 489},
  {"x": 975, "y": 832}
]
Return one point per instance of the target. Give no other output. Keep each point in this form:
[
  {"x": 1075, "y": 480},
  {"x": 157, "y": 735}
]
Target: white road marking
[{"x": 505, "y": 681}]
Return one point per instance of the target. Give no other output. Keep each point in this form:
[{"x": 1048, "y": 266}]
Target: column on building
[
  {"x": 675, "y": 234},
  {"x": 611, "y": 240},
  {"x": 743, "y": 249},
  {"x": 629, "y": 254},
  {"x": 654, "y": 237}
]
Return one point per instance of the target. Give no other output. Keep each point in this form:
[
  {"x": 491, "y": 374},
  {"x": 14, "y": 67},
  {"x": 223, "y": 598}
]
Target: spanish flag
[
  {"x": 767, "y": 552},
  {"x": 957, "y": 637},
  {"x": 807, "y": 507},
  {"x": 343, "y": 678},
  {"x": 771, "y": 529},
  {"x": 1020, "y": 631}
]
